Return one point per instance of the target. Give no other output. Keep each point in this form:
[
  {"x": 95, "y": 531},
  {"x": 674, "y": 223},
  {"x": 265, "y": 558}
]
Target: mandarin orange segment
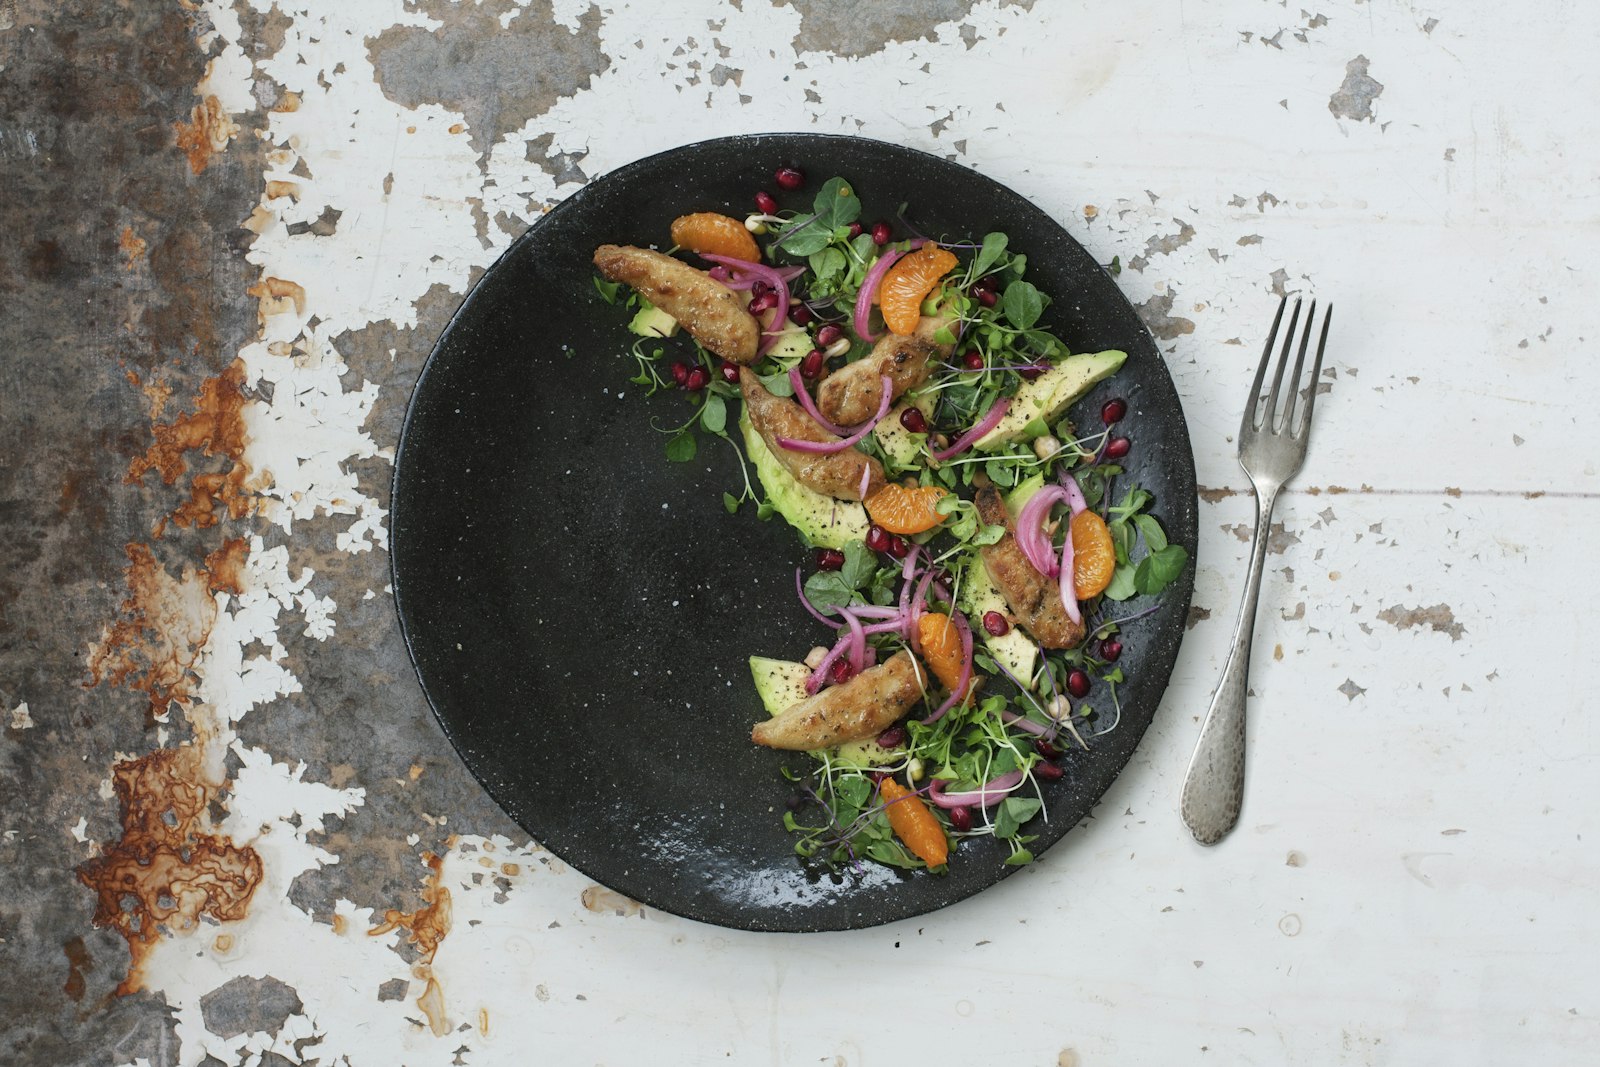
[
  {"x": 707, "y": 231},
  {"x": 909, "y": 282},
  {"x": 906, "y": 511},
  {"x": 941, "y": 649},
  {"x": 912, "y": 822},
  {"x": 1094, "y": 558}
]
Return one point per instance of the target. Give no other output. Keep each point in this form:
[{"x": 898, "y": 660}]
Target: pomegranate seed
[
  {"x": 799, "y": 314},
  {"x": 811, "y": 366},
  {"x": 1048, "y": 771},
  {"x": 697, "y": 380},
  {"x": 828, "y": 335},
  {"x": 987, "y": 297},
  {"x": 880, "y": 233},
  {"x": 1110, "y": 649},
  {"x": 680, "y": 373},
  {"x": 973, "y": 361},
  {"x": 760, "y": 288},
  {"x": 789, "y": 178},
  {"x": 878, "y": 777},
  {"x": 960, "y": 818},
  {"x": 1113, "y": 411},
  {"x": 1078, "y": 684},
  {"x": 914, "y": 420},
  {"x": 855, "y": 230},
  {"x": 765, "y": 203},
  {"x": 1118, "y": 447},
  {"x": 877, "y": 538},
  {"x": 761, "y": 303},
  {"x": 986, "y": 283},
  {"x": 829, "y": 559},
  {"x": 899, "y": 547},
  {"x": 996, "y": 624},
  {"x": 1046, "y": 749},
  {"x": 841, "y": 671},
  {"x": 1029, "y": 373},
  {"x": 893, "y": 737},
  {"x": 730, "y": 372}
]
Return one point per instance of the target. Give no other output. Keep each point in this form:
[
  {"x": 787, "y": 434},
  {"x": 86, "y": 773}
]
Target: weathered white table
[{"x": 1410, "y": 882}]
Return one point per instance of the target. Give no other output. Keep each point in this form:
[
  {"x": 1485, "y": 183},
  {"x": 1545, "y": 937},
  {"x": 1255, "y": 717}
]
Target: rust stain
[
  {"x": 78, "y": 965},
  {"x": 168, "y": 870},
  {"x": 132, "y": 245},
  {"x": 338, "y": 924},
  {"x": 225, "y": 567},
  {"x": 214, "y": 428},
  {"x": 601, "y": 901},
  {"x": 278, "y": 187},
  {"x": 511, "y": 870},
  {"x": 456, "y": 127},
  {"x": 272, "y": 292},
  {"x": 483, "y": 1021},
  {"x": 163, "y": 624},
  {"x": 223, "y": 943},
  {"x": 425, "y": 928},
  {"x": 1212, "y": 496},
  {"x": 288, "y": 102},
  {"x": 207, "y": 132}
]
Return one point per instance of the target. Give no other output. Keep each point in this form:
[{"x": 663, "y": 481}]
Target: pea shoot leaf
[
  {"x": 1023, "y": 304},
  {"x": 994, "y": 246},
  {"x": 714, "y": 413},
  {"x": 607, "y": 290},
  {"x": 681, "y": 449},
  {"x": 860, "y": 565},
  {"x": 1122, "y": 584},
  {"x": 1159, "y": 568}
]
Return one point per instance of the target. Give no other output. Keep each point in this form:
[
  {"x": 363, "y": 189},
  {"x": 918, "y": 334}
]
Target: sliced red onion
[
  {"x": 798, "y": 383},
  {"x": 1030, "y": 528},
  {"x": 874, "y": 611},
  {"x": 866, "y": 480},
  {"x": 861, "y": 431},
  {"x": 960, "y": 691},
  {"x": 817, "y": 677},
  {"x": 1022, "y": 722},
  {"x": 913, "y": 635},
  {"x": 989, "y": 794},
  {"x": 1074, "y": 494},
  {"x": 869, "y": 288},
  {"x": 892, "y": 626},
  {"x": 983, "y": 426},
  {"x": 858, "y": 641},
  {"x": 1069, "y": 592},
  {"x": 772, "y": 277}
]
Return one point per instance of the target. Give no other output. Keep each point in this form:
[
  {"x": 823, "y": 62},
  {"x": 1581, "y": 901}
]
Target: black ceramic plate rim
[{"x": 1183, "y": 587}]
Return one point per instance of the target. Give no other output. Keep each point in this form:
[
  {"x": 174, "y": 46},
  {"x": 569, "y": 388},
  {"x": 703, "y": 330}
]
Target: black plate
[{"x": 579, "y": 610}]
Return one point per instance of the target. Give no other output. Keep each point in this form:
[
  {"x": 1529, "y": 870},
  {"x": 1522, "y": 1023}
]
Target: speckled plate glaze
[{"x": 580, "y": 610}]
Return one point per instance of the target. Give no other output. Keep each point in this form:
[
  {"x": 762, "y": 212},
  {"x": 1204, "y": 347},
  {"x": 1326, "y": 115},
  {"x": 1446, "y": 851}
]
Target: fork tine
[
  {"x": 1293, "y": 400},
  {"x": 1261, "y": 371},
  {"x": 1316, "y": 370},
  {"x": 1269, "y": 418}
]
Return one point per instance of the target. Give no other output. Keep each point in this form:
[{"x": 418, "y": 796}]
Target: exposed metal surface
[{"x": 229, "y": 234}]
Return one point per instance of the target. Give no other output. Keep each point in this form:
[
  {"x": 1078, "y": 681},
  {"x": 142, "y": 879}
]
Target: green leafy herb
[
  {"x": 730, "y": 503},
  {"x": 1159, "y": 568},
  {"x": 1023, "y": 304},
  {"x": 682, "y": 447},
  {"x": 607, "y": 290},
  {"x": 714, "y": 413},
  {"x": 994, "y": 246}
]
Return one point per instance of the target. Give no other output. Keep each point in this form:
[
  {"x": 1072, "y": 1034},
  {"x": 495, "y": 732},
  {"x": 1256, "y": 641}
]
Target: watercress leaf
[
  {"x": 1154, "y": 536},
  {"x": 827, "y": 265},
  {"x": 994, "y": 246},
  {"x": 1023, "y": 304},
  {"x": 808, "y": 239},
  {"x": 1122, "y": 584},
  {"x": 607, "y": 290},
  {"x": 1005, "y": 823},
  {"x": 860, "y": 564},
  {"x": 681, "y": 449},
  {"x": 827, "y": 590},
  {"x": 853, "y": 791},
  {"x": 1159, "y": 568},
  {"x": 730, "y": 503},
  {"x": 836, "y": 204},
  {"x": 777, "y": 383},
  {"x": 714, "y": 413},
  {"x": 1021, "y": 808},
  {"x": 1019, "y": 858},
  {"x": 989, "y": 535}
]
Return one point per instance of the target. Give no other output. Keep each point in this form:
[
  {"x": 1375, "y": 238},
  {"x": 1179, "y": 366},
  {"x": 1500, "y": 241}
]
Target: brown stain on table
[
  {"x": 426, "y": 928},
  {"x": 214, "y": 428},
  {"x": 207, "y": 133},
  {"x": 169, "y": 869}
]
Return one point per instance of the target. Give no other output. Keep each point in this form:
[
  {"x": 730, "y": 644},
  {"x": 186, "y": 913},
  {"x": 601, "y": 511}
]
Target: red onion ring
[
  {"x": 861, "y": 431},
  {"x": 990, "y": 793},
  {"x": 798, "y": 383},
  {"x": 1030, "y": 528},
  {"x": 869, "y": 288},
  {"x": 772, "y": 277},
  {"x": 1074, "y": 493},
  {"x": 983, "y": 426},
  {"x": 1069, "y": 592}
]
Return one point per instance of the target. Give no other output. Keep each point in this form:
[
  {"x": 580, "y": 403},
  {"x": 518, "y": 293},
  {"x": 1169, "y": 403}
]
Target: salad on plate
[{"x": 976, "y": 552}]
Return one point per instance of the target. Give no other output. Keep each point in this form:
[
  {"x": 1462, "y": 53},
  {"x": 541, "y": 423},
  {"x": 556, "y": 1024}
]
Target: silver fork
[{"x": 1272, "y": 445}]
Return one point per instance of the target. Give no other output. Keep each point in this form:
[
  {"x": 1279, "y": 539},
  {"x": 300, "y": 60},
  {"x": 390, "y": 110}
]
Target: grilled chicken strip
[
  {"x": 1033, "y": 598},
  {"x": 851, "y": 395},
  {"x": 713, "y": 314},
  {"x": 863, "y": 707},
  {"x": 835, "y": 474}
]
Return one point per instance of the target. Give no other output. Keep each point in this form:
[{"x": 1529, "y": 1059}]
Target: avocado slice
[
  {"x": 791, "y": 344},
  {"x": 1048, "y": 395},
  {"x": 1023, "y": 493},
  {"x": 978, "y": 597},
  {"x": 821, "y": 520},
  {"x": 781, "y": 684},
  {"x": 651, "y": 321},
  {"x": 899, "y": 444}
]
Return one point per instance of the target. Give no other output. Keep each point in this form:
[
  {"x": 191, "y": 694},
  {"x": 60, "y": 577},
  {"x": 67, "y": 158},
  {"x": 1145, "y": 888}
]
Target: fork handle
[{"x": 1213, "y": 789}]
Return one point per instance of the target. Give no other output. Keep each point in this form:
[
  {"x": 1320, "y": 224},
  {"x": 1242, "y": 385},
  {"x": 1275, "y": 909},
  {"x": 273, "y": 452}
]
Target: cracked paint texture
[{"x": 264, "y": 212}]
